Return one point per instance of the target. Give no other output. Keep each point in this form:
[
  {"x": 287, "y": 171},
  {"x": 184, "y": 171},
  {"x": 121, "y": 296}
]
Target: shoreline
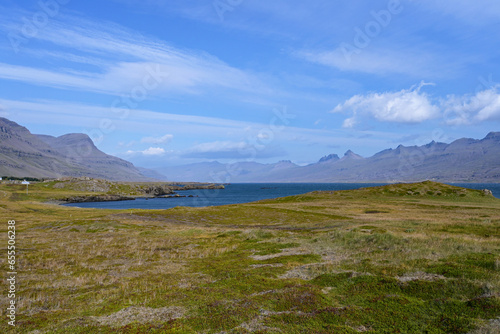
[{"x": 147, "y": 191}]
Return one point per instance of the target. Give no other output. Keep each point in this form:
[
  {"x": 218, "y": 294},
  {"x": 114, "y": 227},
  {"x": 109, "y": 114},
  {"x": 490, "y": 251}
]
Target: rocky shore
[
  {"x": 96, "y": 198},
  {"x": 107, "y": 191}
]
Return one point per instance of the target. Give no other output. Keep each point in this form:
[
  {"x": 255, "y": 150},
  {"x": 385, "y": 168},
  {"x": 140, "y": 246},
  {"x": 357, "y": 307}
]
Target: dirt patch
[
  {"x": 257, "y": 324},
  {"x": 270, "y": 265},
  {"x": 419, "y": 276},
  {"x": 284, "y": 252},
  {"x": 305, "y": 272},
  {"x": 492, "y": 327},
  {"x": 141, "y": 315}
]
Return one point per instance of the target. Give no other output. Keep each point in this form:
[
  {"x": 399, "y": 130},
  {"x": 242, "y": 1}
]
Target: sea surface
[{"x": 246, "y": 192}]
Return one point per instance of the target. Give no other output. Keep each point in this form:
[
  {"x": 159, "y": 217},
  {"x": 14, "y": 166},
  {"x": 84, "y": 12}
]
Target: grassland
[{"x": 415, "y": 258}]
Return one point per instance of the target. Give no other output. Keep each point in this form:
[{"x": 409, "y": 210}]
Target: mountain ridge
[{"x": 463, "y": 160}]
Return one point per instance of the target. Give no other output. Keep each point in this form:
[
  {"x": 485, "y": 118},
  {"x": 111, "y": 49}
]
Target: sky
[{"x": 163, "y": 83}]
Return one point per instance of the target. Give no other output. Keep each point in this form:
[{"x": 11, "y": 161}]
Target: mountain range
[
  {"x": 464, "y": 160},
  {"x": 23, "y": 154}
]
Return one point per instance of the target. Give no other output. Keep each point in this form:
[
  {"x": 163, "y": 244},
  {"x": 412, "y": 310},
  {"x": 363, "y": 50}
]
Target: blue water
[{"x": 244, "y": 193}]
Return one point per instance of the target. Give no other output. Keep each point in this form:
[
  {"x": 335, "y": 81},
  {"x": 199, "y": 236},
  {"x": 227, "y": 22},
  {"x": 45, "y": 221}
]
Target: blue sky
[{"x": 164, "y": 83}]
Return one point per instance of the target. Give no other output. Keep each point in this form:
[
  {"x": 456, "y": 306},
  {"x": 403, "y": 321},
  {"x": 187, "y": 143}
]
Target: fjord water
[{"x": 244, "y": 193}]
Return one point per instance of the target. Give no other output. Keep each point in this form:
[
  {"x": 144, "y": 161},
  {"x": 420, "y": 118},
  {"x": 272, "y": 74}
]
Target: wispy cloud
[
  {"x": 140, "y": 120},
  {"x": 50, "y": 78},
  {"x": 389, "y": 60},
  {"x": 125, "y": 59},
  {"x": 3, "y": 112},
  {"x": 471, "y": 12},
  {"x": 232, "y": 150},
  {"x": 157, "y": 140}
]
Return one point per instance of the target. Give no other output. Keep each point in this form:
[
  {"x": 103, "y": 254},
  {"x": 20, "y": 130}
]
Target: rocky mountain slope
[{"x": 25, "y": 154}]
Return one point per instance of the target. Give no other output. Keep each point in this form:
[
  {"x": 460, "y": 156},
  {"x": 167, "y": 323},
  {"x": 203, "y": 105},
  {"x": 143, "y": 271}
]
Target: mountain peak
[
  {"x": 76, "y": 139},
  {"x": 331, "y": 157},
  {"x": 493, "y": 136},
  {"x": 351, "y": 155},
  {"x": 10, "y": 127}
]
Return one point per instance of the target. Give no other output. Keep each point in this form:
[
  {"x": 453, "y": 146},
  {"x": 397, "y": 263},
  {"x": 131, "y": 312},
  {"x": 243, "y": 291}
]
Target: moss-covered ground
[{"x": 409, "y": 258}]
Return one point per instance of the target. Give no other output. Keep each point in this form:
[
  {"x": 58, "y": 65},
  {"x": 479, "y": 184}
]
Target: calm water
[{"x": 244, "y": 193}]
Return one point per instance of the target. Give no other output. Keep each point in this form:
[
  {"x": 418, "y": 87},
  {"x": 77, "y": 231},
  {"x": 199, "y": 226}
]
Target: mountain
[
  {"x": 464, "y": 160},
  {"x": 224, "y": 173},
  {"x": 24, "y": 154},
  {"x": 151, "y": 174}
]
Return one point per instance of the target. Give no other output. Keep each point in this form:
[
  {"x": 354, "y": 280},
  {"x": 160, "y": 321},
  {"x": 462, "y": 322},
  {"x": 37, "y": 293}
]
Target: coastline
[{"x": 88, "y": 190}]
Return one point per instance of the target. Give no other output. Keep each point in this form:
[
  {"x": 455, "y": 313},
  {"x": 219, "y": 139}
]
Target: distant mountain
[
  {"x": 151, "y": 174},
  {"x": 464, "y": 160},
  {"x": 224, "y": 173},
  {"x": 24, "y": 154}
]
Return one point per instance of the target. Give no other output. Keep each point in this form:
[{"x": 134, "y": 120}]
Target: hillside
[{"x": 25, "y": 154}]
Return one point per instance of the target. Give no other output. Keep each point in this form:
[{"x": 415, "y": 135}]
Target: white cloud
[
  {"x": 405, "y": 106},
  {"x": 157, "y": 140},
  {"x": 413, "y": 106},
  {"x": 152, "y": 151},
  {"x": 462, "y": 110}
]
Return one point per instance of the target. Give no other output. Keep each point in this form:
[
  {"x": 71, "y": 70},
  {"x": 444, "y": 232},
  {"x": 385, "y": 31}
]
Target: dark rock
[{"x": 158, "y": 190}]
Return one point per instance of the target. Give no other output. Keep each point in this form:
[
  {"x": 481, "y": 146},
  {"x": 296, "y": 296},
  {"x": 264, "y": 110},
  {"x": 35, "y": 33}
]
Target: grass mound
[{"x": 427, "y": 189}]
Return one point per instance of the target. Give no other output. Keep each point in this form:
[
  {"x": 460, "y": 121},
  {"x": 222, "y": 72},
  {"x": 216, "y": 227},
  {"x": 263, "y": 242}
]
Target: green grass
[{"x": 411, "y": 258}]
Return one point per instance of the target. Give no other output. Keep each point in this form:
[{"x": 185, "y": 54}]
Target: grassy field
[{"x": 412, "y": 258}]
